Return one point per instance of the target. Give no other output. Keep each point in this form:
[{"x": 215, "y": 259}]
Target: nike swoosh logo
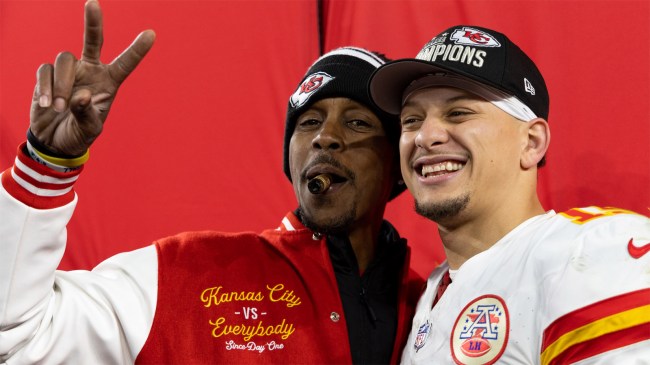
[{"x": 636, "y": 251}]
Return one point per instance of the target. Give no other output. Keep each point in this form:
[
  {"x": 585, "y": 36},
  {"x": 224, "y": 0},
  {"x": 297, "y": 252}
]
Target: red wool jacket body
[{"x": 267, "y": 298}]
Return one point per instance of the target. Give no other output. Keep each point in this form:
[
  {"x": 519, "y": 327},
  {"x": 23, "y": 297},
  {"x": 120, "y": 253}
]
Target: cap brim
[{"x": 387, "y": 83}]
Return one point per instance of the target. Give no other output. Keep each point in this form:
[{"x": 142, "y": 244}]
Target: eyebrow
[{"x": 464, "y": 96}]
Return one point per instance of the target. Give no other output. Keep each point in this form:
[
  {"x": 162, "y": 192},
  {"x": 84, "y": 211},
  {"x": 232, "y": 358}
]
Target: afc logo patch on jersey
[
  {"x": 308, "y": 87},
  {"x": 474, "y": 37},
  {"x": 480, "y": 334}
]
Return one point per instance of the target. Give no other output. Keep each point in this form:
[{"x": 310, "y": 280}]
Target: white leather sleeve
[{"x": 47, "y": 316}]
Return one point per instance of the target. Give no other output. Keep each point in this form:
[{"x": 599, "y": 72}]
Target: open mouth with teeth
[{"x": 442, "y": 168}]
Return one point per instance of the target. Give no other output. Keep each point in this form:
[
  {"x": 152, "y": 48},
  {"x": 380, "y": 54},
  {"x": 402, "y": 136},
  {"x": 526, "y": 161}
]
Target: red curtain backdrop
[{"x": 194, "y": 140}]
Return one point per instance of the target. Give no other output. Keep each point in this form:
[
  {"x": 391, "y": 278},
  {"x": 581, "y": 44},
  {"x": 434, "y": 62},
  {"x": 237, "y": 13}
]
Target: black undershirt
[{"x": 370, "y": 299}]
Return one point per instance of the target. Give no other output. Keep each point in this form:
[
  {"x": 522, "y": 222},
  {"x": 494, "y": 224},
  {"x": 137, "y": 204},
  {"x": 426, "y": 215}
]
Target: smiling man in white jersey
[{"x": 523, "y": 285}]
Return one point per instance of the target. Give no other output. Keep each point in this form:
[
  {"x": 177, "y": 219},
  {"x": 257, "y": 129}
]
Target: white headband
[{"x": 508, "y": 103}]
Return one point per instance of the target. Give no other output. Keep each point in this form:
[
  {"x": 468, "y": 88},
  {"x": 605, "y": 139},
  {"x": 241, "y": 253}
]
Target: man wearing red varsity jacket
[{"x": 330, "y": 285}]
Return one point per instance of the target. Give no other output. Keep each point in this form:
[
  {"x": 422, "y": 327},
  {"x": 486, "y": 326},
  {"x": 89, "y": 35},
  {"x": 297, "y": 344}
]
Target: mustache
[{"x": 327, "y": 159}]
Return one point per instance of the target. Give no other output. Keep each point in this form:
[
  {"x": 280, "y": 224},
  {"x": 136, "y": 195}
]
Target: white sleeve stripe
[
  {"x": 35, "y": 190},
  {"x": 42, "y": 178},
  {"x": 287, "y": 224}
]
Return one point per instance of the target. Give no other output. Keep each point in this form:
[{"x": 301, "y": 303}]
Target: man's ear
[{"x": 539, "y": 137}]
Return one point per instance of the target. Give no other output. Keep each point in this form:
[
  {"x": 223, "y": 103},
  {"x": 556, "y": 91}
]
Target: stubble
[{"x": 440, "y": 211}]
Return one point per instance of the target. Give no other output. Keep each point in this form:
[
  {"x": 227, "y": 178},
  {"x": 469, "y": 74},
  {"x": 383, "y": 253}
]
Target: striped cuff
[{"x": 38, "y": 186}]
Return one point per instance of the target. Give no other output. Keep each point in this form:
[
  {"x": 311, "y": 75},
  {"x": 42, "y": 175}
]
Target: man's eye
[
  {"x": 308, "y": 122},
  {"x": 358, "y": 123},
  {"x": 408, "y": 121},
  {"x": 458, "y": 113}
]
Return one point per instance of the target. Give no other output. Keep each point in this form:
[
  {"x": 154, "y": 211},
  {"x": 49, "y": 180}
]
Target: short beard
[
  {"x": 444, "y": 210},
  {"x": 336, "y": 226}
]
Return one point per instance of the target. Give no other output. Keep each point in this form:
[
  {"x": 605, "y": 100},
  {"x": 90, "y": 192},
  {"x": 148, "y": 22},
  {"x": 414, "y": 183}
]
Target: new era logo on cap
[
  {"x": 308, "y": 87},
  {"x": 529, "y": 87}
]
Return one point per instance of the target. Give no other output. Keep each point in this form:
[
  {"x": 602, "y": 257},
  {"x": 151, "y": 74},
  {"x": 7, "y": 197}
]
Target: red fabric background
[{"x": 194, "y": 140}]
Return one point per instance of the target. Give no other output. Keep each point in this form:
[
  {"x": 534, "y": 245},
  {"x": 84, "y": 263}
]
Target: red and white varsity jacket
[{"x": 194, "y": 298}]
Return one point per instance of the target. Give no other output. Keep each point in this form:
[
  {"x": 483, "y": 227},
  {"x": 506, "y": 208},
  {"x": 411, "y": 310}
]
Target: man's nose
[
  {"x": 330, "y": 136},
  {"x": 433, "y": 131}
]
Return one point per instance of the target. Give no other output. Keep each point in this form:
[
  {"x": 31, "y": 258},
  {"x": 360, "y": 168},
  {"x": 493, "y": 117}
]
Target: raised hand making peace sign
[{"x": 72, "y": 97}]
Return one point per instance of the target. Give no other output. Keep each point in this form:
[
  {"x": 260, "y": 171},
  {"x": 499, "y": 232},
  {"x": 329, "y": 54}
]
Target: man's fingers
[
  {"x": 125, "y": 63},
  {"x": 64, "y": 74},
  {"x": 81, "y": 101},
  {"x": 43, "y": 90},
  {"x": 93, "y": 32},
  {"x": 88, "y": 121}
]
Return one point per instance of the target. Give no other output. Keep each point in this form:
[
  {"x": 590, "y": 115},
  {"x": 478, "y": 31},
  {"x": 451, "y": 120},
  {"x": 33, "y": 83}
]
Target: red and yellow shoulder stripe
[
  {"x": 600, "y": 327},
  {"x": 587, "y": 214}
]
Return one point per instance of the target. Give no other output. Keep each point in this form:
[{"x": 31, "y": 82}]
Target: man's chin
[
  {"x": 442, "y": 210},
  {"x": 327, "y": 223}
]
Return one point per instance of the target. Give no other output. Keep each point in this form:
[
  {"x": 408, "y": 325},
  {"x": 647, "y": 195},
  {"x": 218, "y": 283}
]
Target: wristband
[
  {"x": 31, "y": 152},
  {"x": 42, "y": 148},
  {"x": 65, "y": 162},
  {"x": 56, "y": 158}
]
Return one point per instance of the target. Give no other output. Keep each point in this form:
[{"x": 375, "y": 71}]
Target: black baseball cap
[{"x": 479, "y": 54}]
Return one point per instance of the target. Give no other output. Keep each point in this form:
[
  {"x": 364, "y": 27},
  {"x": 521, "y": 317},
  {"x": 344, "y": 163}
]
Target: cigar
[{"x": 319, "y": 184}]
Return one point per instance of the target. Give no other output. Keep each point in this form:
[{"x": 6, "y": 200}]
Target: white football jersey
[{"x": 572, "y": 287}]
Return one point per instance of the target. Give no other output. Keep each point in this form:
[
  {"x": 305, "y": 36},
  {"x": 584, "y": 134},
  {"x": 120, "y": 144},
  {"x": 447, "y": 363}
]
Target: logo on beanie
[
  {"x": 474, "y": 37},
  {"x": 309, "y": 87}
]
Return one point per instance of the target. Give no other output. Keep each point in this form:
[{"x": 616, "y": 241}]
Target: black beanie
[{"x": 343, "y": 72}]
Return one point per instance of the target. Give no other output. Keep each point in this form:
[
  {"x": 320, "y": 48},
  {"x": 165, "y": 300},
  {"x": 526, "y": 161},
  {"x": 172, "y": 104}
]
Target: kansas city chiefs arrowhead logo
[
  {"x": 311, "y": 85},
  {"x": 474, "y": 37}
]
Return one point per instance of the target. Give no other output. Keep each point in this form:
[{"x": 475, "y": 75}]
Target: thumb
[
  {"x": 81, "y": 105},
  {"x": 88, "y": 120}
]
